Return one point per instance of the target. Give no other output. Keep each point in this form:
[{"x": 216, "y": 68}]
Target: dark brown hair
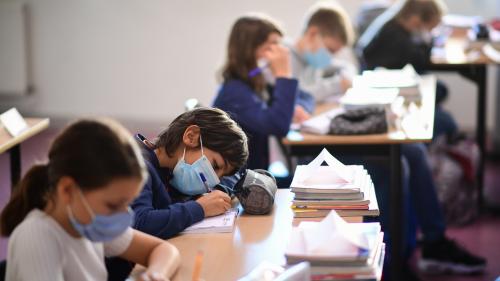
[
  {"x": 247, "y": 34},
  {"x": 218, "y": 132},
  {"x": 331, "y": 20},
  {"x": 426, "y": 10},
  {"x": 91, "y": 152}
]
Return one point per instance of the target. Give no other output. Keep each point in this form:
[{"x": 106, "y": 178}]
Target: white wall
[
  {"x": 133, "y": 59},
  {"x": 139, "y": 60}
]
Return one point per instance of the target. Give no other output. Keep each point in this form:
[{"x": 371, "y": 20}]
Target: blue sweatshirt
[
  {"x": 260, "y": 119},
  {"x": 156, "y": 212}
]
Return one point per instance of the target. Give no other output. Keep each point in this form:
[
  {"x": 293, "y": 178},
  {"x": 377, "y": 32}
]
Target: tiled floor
[{"x": 483, "y": 236}]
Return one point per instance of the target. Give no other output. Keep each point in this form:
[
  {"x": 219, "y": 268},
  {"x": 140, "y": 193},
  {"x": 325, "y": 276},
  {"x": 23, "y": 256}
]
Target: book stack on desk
[
  {"x": 406, "y": 80},
  {"x": 318, "y": 189},
  {"x": 338, "y": 250}
]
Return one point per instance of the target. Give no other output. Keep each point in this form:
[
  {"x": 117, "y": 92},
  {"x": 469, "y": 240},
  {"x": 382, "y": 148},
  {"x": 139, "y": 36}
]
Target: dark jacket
[
  {"x": 260, "y": 119},
  {"x": 393, "y": 47},
  {"x": 156, "y": 212}
]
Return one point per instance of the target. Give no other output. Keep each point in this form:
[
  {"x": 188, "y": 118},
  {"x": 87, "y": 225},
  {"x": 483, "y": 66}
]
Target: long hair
[
  {"x": 91, "y": 152},
  {"x": 247, "y": 34}
]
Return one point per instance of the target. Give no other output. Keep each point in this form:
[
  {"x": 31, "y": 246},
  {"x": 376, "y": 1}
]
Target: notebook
[{"x": 219, "y": 224}]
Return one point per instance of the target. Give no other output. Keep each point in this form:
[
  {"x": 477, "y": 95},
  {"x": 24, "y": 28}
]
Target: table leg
[
  {"x": 15, "y": 165},
  {"x": 396, "y": 218},
  {"x": 481, "y": 127}
]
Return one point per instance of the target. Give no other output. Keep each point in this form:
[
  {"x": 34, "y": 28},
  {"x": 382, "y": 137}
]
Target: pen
[
  {"x": 258, "y": 70},
  {"x": 198, "y": 261},
  {"x": 204, "y": 180}
]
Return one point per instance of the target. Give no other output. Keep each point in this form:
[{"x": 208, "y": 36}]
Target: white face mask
[{"x": 268, "y": 76}]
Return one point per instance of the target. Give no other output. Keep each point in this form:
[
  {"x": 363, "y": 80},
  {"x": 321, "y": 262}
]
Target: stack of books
[
  {"x": 406, "y": 80},
  {"x": 337, "y": 250},
  {"x": 318, "y": 189}
]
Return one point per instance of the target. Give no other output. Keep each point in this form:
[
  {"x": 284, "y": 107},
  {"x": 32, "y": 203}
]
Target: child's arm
[
  {"x": 160, "y": 258},
  {"x": 307, "y": 101},
  {"x": 253, "y": 113},
  {"x": 168, "y": 220}
]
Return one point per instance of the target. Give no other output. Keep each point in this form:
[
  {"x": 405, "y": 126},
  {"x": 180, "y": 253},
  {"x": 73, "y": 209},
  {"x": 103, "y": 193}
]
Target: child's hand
[
  {"x": 152, "y": 276},
  {"x": 300, "y": 114},
  {"x": 345, "y": 84},
  {"x": 214, "y": 203},
  {"x": 279, "y": 61}
]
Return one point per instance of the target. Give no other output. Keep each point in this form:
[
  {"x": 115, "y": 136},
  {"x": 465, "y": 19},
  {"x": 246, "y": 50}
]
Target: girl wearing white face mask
[
  {"x": 67, "y": 215},
  {"x": 258, "y": 90}
]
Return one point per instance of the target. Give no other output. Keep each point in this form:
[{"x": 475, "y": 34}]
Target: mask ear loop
[
  {"x": 86, "y": 204},
  {"x": 201, "y": 144}
]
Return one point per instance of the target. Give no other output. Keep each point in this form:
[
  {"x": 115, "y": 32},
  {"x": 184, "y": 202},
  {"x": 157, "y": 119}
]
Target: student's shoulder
[
  {"x": 234, "y": 85},
  {"x": 393, "y": 28},
  {"x": 37, "y": 227}
]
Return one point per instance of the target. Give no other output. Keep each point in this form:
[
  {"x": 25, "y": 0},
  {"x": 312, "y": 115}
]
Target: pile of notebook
[
  {"x": 318, "y": 189},
  {"x": 338, "y": 250},
  {"x": 406, "y": 80}
]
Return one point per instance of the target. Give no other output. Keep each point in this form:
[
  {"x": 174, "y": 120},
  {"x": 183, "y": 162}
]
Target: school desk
[
  {"x": 13, "y": 144},
  {"x": 385, "y": 145},
  {"x": 459, "y": 56},
  {"x": 230, "y": 256}
]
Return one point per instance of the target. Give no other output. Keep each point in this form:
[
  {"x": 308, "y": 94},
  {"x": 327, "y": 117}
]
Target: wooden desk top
[
  {"x": 458, "y": 50},
  {"x": 229, "y": 256},
  {"x": 35, "y": 126},
  {"x": 406, "y": 135}
]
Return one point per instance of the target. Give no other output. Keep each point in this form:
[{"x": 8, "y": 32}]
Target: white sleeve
[
  {"x": 35, "y": 254},
  {"x": 323, "y": 84},
  {"x": 120, "y": 244}
]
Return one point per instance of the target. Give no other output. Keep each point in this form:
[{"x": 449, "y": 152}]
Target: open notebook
[{"x": 218, "y": 224}]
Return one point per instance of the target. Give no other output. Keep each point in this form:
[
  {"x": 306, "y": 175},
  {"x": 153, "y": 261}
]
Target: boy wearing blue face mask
[
  {"x": 185, "y": 163},
  {"x": 326, "y": 31}
]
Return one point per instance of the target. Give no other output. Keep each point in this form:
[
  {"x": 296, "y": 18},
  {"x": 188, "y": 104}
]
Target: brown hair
[
  {"x": 218, "y": 132},
  {"x": 426, "y": 10},
  {"x": 91, "y": 152},
  {"x": 331, "y": 20},
  {"x": 247, "y": 34}
]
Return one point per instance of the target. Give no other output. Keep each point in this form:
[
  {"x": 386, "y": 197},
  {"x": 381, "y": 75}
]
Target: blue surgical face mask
[
  {"x": 194, "y": 179},
  {"x": 101, "y": 228},
  {"x": 319, "y": 59}
]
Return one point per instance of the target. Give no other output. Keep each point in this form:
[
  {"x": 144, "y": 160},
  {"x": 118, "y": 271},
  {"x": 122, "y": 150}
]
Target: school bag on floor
[{"x": 454, "y": 163}]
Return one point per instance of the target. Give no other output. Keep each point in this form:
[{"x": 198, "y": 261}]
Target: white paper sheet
[{"x": 335, "y": 172}]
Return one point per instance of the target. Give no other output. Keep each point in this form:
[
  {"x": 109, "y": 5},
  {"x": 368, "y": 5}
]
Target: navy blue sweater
[
  {"x": 156, "y": 212},
  {"x": 260, "y": 119}
]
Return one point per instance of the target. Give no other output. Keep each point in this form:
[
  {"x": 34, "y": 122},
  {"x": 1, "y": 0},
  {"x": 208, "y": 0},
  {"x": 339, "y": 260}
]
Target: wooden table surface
[
  {"x": 35, "y": 126},
  {"x": 229, "y": 256}
]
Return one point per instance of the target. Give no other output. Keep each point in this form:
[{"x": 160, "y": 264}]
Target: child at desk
[
  {"x": 326, "y": 31},
  {"x": 258, "y": 90},
  {"x": 66, "y": 215},
  {"x": 201, "y": 141},
  {"x": 417, "y": 177},
  {"x": 402, "y": 35}
]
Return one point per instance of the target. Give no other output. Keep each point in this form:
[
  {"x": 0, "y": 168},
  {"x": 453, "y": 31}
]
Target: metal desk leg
[
  {"x": 15, "y": 164},
  {"x": 396, "y": 207},
  {"x": 481, "y": 127}
]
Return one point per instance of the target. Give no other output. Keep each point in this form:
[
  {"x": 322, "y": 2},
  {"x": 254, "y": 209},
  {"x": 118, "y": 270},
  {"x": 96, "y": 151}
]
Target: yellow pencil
[{"x": 198, "y": 262}]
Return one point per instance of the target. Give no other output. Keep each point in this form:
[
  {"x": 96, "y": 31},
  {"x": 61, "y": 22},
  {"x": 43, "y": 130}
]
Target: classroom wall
[{"x": 140, "y": 60}]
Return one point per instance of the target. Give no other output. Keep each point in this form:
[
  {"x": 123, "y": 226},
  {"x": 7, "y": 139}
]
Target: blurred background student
[{"x": 258, "y": 90}]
